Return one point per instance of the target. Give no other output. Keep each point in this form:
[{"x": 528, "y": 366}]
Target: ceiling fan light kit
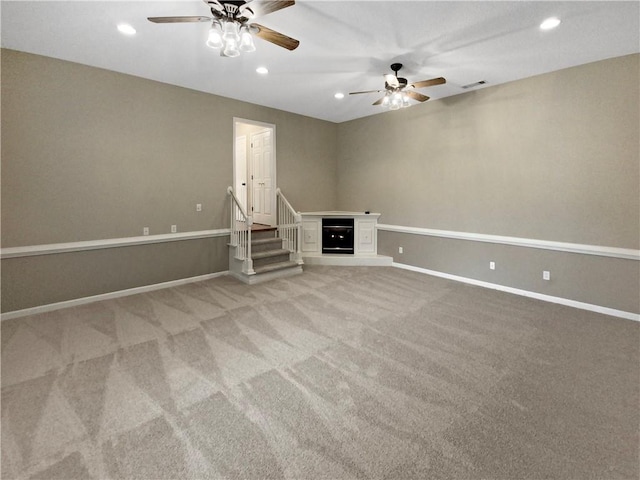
[
  {"x": 395, "y": 101},
  {"x": 230, "y": 37}
]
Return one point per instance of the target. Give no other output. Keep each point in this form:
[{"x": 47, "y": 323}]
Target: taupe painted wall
[
  {"x": 41, "y": 280},
  {"x": 554, "y": 157},
  {"x": 89, "y": 154}
]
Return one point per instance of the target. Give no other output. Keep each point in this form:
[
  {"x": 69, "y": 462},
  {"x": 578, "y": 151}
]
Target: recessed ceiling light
[
  {"x": 550, "y": 23},
  {"x": 262, "y": 70},
  {"x": 339, "y": 95},
  {"x": 126, "y": 29}
]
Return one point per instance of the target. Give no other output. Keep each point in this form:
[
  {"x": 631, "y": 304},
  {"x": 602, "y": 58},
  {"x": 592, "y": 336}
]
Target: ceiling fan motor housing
[{"x": 402, "y": 83}]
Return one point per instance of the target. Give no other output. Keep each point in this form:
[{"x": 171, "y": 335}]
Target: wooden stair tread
[{"x": 256, "y": 227}]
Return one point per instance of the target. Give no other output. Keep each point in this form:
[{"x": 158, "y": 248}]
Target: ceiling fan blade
[
  {"x": 416, "y": 95},
  {"x": 274, "y": 37},
  {"x": 429, "y": 83},
  {"x": 178, "y": 19},
  {"x": 378, "y": 102},
  {"x": 368, "y": 91},
  {"x": 266, "y": 7},
  {"x": 392, "y": 80}
]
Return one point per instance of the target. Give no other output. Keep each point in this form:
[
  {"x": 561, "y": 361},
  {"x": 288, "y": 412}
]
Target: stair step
[
  {"x": 265, "y": 244},
  {"x": 271, "y": 267},
  {"x": 261, "y": 241},
  {"x": 261, "y": 259},
  {"x": 263, "y": 233},
  {"x": 269, "y": 253}
]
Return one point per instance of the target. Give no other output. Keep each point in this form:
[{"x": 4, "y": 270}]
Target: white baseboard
[
  {"x": 525, "y": 293},
  {"x": 148, "y": 288},
  {"x": 106, "y": 296}
]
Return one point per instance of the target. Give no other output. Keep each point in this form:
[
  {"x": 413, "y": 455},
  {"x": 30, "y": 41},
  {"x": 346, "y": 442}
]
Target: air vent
[{"x": 473, "y": 85}]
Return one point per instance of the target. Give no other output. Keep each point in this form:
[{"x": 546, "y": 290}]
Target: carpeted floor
[{"x": 363, "y": 372}]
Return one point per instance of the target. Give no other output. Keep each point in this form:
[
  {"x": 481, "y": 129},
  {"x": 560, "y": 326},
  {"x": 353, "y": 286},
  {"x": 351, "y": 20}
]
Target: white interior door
[
  {"x": 262, "y": 174},
  {"x": 254, "y": 168}
]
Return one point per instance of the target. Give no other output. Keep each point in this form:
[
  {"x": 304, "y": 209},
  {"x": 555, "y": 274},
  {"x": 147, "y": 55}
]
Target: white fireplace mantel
[{"x": 365, "y": 239}]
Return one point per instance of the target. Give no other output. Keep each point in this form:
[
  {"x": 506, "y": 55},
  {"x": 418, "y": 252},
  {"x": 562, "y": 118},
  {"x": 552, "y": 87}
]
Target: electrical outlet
[
  {"x": 546, "y": 275},
  {"x": 145, "y": 231},
  {"x": 400, "y": 250},
  {"x": 492, "y": 265},
  {"x": 174, "y": 228},
  {"x": 198, "y": 207}
]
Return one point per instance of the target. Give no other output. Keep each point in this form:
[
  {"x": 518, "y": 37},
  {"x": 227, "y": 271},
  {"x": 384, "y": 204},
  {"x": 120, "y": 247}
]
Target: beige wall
[
  {"x": 89, "y": 154},
  {"x": 554, "y": 157},
  {"x": 41, "y": 280}
]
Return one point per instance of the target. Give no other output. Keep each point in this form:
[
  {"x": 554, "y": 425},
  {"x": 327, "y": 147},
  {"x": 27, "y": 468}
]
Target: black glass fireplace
[{"x": 337, "y": 235}]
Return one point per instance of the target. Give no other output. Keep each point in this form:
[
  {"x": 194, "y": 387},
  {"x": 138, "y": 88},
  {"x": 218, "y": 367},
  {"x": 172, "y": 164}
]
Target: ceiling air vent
[{"x": 473, "y": 85}]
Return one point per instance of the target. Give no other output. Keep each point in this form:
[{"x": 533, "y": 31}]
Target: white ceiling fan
[
  {"x": 231, "y": 31},
  {"x": 398, "y": 91}
]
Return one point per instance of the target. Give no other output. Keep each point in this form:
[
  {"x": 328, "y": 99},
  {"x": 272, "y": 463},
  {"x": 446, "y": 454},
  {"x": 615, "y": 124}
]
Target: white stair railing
[
  {"x": 241, "y": 233},
  {"x": 289, "y": 223}
]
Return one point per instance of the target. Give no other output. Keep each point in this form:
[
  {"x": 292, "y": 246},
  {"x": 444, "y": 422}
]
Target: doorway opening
[{"x": 254, "y": 169}]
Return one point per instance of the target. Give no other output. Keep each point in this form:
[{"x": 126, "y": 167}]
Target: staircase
[{"x": 258, "y": 253}]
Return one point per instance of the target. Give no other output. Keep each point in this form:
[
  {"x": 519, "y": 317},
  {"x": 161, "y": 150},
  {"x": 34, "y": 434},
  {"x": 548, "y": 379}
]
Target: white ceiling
[{"x": 345, "y": 46}]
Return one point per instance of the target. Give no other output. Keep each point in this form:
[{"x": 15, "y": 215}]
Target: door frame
[
  {"x": 241, "y": 191},
  {"x": 264, "y": 126}
]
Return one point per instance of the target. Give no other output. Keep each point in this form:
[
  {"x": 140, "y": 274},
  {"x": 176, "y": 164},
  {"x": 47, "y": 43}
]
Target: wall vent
[{"x": 476, "y": 84}]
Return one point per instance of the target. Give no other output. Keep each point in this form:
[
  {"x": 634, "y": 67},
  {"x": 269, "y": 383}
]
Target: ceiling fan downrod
[{"x": 396, "y": 67}]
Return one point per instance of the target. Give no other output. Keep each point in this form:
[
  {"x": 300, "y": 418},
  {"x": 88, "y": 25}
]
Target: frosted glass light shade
[
  {"x": 230, "y": 32},
  {"x": 246, "y": 41},
  {"x": 231, "y": 49},
  {"x": 215, "y": 39}
]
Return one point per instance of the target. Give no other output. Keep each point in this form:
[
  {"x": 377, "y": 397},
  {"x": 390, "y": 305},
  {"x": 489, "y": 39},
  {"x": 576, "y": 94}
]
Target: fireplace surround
[{"x": 364, "y": 239}]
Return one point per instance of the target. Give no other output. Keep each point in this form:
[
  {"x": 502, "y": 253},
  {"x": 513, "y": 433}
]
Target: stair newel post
[
  {"x": 232, "y": 222},
  {"x": 279, "y": 214},
  {"x": 248, "y": 259},
  {"x": 298, "y": 220}
]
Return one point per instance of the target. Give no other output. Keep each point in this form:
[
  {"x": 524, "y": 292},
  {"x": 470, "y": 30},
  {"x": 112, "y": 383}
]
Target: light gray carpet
[{"x": 363, "y": 372}]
